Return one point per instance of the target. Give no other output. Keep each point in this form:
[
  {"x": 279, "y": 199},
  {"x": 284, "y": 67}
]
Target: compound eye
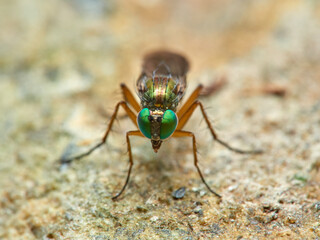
[
  {"x": 169, "y": 124},
  {"x": 144, "y": 122}
]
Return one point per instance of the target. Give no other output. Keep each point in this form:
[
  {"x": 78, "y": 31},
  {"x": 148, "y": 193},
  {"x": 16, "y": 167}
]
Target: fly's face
[{"x": 157, "y": 125}]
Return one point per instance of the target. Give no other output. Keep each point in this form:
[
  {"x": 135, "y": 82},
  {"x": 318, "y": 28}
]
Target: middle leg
[
  {"x": 129, "y": 98},
  {"x": 186, "y": 116},
  {"x": 129, "y": 112},
  {"x": 130, "y": 133},
  {"x": 194, "y": 95}
]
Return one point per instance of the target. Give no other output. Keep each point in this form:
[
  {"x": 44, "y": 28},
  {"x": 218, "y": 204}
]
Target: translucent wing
[{"x": 164, "y": 63}]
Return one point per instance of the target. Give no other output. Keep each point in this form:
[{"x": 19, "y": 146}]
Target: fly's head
[{"x": 157, "y": 125}]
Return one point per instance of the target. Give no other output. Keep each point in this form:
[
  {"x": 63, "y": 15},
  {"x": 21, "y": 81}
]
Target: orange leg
[
  {"x": 129, "y": 98},
  {"x": 186, "y": 116},
  {"x": 130, "y": 113},
  {"x": 190, "y": 101},
  {"x": 180, "y": 133},
  {"x": 130, "y": 133}
]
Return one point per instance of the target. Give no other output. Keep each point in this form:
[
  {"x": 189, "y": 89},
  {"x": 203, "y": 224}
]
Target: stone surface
[{"x": 61, "y": 63}]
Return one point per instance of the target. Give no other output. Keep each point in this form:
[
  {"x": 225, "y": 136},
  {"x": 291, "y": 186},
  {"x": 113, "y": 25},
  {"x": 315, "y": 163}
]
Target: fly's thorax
[
  {"x": 160, "y": 91},
  {"x": 162, "y": 82}
]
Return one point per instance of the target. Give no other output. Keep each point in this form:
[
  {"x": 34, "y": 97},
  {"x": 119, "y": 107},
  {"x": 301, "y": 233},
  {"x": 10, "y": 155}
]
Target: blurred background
[{"x": 61, "y": 63}]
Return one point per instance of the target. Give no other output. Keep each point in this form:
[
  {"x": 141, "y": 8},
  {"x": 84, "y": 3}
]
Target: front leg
[{"x": 180, "y": 133}]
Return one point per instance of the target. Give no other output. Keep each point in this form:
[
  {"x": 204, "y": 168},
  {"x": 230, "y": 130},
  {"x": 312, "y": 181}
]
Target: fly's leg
[
  {"x": 186, "y": 116},
  {"x": 129, "y": 98},
  {"x": 130, "y": 133},
  {"x": 194, "y": 95},
  {"x": 180, "y": 133},
  {"x": 130, "y": 113}
]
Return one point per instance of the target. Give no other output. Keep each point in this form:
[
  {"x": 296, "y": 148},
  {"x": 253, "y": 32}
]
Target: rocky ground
[{"x": 61, "y": 63}]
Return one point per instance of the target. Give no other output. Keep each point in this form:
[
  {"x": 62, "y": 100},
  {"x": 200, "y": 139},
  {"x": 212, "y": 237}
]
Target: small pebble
[
  {"x": 142, "y": 209},
  {"x": 154, "y": 219},
  {"x": 198, "y": 211},
  {"x": 178, "y": 194},
  {"x": 202, "y": 193},
  {"x": 317, "y": 206}
]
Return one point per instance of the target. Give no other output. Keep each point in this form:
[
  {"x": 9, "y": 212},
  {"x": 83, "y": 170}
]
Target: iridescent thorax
[{"x": 161, "y": 87}]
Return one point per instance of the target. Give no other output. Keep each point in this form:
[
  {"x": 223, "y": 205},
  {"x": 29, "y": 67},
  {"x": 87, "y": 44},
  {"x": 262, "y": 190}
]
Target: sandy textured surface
[{"x": 61, "y": 63}]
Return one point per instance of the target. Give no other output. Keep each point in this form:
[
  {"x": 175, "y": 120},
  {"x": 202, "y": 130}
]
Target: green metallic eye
[
  {"x": 168, "y": 124},
  {"x": 144, "y": 123}
]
